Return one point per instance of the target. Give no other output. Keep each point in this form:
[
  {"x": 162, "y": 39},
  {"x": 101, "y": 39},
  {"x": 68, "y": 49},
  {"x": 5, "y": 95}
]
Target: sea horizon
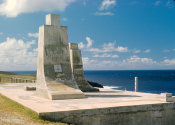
[
  {"x": 150, "y": 81},
  {"x": 95, "y": 70}
]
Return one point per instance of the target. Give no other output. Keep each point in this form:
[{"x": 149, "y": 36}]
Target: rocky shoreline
[{"x": 94, "y": 84}]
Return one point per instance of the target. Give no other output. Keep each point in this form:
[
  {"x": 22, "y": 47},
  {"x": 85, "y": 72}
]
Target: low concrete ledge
[
  {"x": 30, "y": 88},
  {"x": 57, "y": 116},
  {"x": 153, "y": 114},
  {"x": 167, "y": 97}
]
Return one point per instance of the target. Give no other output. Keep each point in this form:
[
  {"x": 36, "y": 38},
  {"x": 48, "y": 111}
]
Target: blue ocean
[{"x": 151, "y": 81}]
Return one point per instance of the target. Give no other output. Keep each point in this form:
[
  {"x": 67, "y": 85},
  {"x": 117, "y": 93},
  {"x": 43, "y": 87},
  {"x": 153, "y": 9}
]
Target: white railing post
[{"x": 136, "y": 84}]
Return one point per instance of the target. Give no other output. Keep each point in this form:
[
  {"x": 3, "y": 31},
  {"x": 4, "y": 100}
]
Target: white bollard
[{"x": 136, "y": 84}]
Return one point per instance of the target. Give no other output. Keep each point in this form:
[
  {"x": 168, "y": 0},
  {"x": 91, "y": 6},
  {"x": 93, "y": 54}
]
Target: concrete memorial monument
[
  {"x": 55, "y": 79},
  {"x": 59, "y": 68},
  {"x": 77, "y": 69}
]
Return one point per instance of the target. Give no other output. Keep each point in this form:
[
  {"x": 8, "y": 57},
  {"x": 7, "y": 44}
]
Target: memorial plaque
[{"x": 57, "y": 68}]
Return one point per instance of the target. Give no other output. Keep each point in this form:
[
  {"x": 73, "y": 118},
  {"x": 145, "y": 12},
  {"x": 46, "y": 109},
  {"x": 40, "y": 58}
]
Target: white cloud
[
  {"x": 17, "y": 55},
  {"x": 106, "y": 55},
  {"x": 169, "y": 61},
  {"x": 90, "y": 41},
  {"x": 87, "y": 61},
  {"x": 166, "y": 50},
  {"x": 114, "y": 56},
  {"x": 136, "y": 51},
  {"x": 35, "y": 35},
  {"x": 122, "y": 49},
  {"x": 157, "y": 3},
  {"x": 92, "y": 64},
  {"x": 138, "y": 60},
  {"x": 64, "y": 19},
  {"x": 109, "y": 47},
  {"x": 170, "y": 4},
  {"x": 81, "y": 45},
  {"x": 12, "y": 8},
  {"x": 106, "y": 4},
  {"x": 95, "y": 50},
  {"x": 133, "y": 62},
  {"x": 104, "y": 14},
  {"x": 147, "y": 51},
  {"x": 85, "y": 2}
]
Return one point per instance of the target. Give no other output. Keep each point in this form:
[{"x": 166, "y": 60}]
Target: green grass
[
  {"x": 10, "y": 109},
  {"x": 6, "y": 78}
]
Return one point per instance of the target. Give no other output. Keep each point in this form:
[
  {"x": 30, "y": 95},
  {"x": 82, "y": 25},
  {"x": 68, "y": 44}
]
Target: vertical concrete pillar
[
  {"x": 77, "y": 69},
  {"x": 16, "y": 80},
  {"x": 19, "y": 80},
  {"x": 11, "y": 80},
  {"x": 136, "y": 84}
]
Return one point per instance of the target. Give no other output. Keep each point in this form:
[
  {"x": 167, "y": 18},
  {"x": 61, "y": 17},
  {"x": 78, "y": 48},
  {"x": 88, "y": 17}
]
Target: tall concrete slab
[
  {"x": 55, "y": 80},
  {"x": 77, "y": 69}
]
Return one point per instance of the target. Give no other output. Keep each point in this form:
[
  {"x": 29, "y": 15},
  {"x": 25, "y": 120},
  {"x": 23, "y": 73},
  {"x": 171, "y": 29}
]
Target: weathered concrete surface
[
  {"x": 107, "y": 107},
  {"x": 77, "y": 69},
  {"x": 53, "y": 19},
  {"x": 54, "y": 74}
]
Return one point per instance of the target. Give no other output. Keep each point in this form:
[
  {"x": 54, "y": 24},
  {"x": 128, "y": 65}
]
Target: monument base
[
  {"x": 58, "y": 91},
  {"x": 107, "y": 107}
]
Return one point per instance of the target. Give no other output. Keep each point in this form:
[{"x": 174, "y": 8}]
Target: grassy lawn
[
  {"x": 12, "y": 113},
  {"x": 6, "y": 78}
]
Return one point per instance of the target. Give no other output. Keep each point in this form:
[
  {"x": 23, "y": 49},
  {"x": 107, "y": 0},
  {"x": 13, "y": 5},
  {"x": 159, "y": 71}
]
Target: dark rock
[{"x": 94, "y": 84}]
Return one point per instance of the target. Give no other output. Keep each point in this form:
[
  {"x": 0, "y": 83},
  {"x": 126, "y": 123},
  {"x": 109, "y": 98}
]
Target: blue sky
[{"x": 112, "y": 34}]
